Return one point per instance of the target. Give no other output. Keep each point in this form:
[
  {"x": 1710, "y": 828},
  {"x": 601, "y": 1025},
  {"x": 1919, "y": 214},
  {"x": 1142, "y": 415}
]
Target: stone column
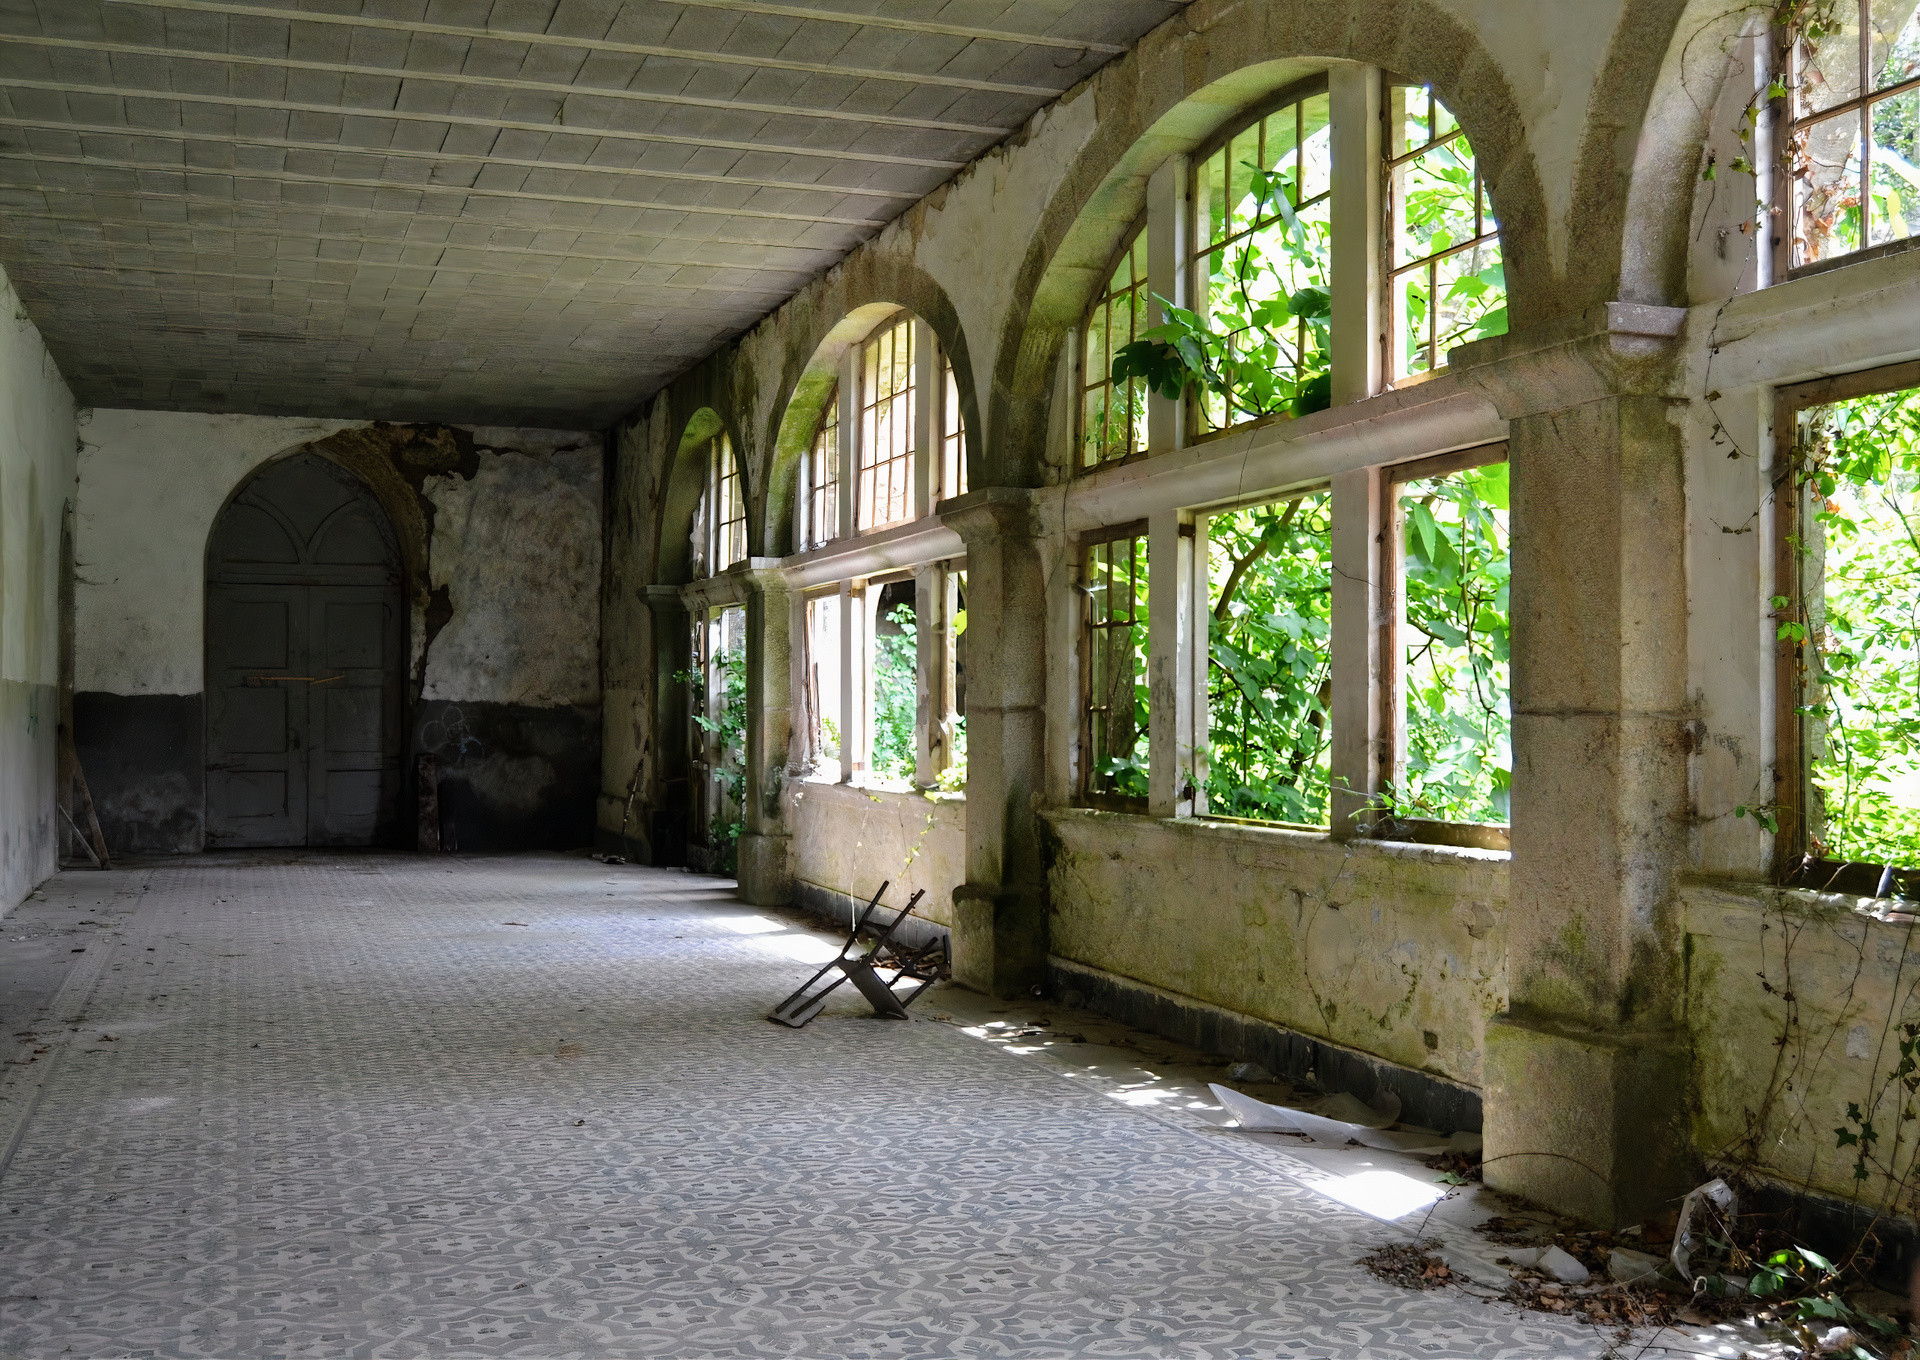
[
  {"x": 1587, "y": 1071},
  {"x": 1000, "y": 912},
  {"x": 765, "y": 876}
]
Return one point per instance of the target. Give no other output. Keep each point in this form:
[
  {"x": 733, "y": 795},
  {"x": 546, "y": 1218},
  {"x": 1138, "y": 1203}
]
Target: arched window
[
  {"x": 1262, "y": 210},
  {"x": 953, "y": 434},
  {"x": 1113, "y": 416},
  {"x": 888, "y": 391},
  {"x": 720, "y": 529},
  {"x": 822, "y": 475},
  {"x": 1446, "y": 284}
]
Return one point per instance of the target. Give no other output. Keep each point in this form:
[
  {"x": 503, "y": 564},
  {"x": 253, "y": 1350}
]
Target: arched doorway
[{"x": 305, "y": 658}]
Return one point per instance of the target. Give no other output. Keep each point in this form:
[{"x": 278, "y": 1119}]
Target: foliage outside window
[
  {"x": 1114, "y": 664},
  {"x": 1857, "y": 628},
  {"x": 823, "y": 477},
  {"x": 953, "y": 776},
  {"x": 887, "y": 397},
  {"x": 1262, "y": 207},
  {"x": 717, "y": 692},
  {"x": 896, "y": 656},
  {"x": 1852, "y": 158},
  {"x": 953, "y": 435},
  {"x": 1113, "y": 412},
  {"x": 1270, "y": 661},
  {"x": 1456, "y": 568},
  {"x": 822, "y": 672},
  {"x": 720, "y": 527},
  {"x": 1446, "y": 281}
]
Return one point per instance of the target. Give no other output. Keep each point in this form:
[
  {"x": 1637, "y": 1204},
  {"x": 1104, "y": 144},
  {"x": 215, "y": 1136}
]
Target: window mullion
[
  {"x": 1168, "y": 224},
  {"x": 1358, "y": 254},
  {"x": 1174, "y": 620}
]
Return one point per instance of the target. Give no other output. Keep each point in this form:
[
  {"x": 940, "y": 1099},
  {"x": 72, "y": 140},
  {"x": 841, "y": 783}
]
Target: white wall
[{"x": 36, "y": 480}]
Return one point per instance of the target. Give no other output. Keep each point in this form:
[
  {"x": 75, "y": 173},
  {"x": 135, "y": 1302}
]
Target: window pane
[
  {"x": 1471, "y": 292},
  {"x": 1114, "y": 731},
  {"x": 1830, "y": 69},
  {"x": 1111, "y": 428},
  {"x": 1270, "y": 660},
  {"x": 1894, "y": 34},
  {"x": 1862, "y": 574},
  {"x": 1895, "y": 210},
  {"x": 1458, "y": 761},
  {"x": 886, "y": 428},
  {"x": 1441, "y": 196},
  {"x": 1827, "y": 170},
  {"x": 1316, "y": 150},
  {"x": 895, "y": 686},
  {"x": 823, "y": 682}
]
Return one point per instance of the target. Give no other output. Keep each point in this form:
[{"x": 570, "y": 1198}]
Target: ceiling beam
[
  {"x": 700, "y": 56},
  {"x": 470, "y": 120},
  {"x": 453, "y": 157},
  {"x": 836, "y": 16},
  {"x": 405, "y": 73}
]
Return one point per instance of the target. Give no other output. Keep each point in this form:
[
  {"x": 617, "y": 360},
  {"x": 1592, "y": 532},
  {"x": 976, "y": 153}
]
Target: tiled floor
[{"x": 390, "y": 1106}]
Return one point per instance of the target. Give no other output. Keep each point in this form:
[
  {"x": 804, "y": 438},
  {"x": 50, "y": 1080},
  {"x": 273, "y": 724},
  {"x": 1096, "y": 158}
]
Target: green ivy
[{"x": 895, "y": 696}]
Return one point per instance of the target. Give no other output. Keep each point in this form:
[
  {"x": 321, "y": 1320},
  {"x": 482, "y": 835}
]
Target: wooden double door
[{"x": 305, "y": 663}]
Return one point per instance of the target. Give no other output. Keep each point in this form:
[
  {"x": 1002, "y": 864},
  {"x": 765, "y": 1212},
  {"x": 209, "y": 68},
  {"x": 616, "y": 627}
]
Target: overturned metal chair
[{"x": 862, "y": 965}]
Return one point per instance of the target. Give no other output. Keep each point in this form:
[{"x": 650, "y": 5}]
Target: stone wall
[
  {"x": 500, "y": 534},
  {"x": 36, "y": 487}
]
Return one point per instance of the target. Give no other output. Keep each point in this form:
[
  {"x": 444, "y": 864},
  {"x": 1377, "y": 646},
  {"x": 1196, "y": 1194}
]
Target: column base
[
  {"x": 999, "y": 940},
  {"x": 1585, "y": 1123},
  {"x": 764, "y": 875}
]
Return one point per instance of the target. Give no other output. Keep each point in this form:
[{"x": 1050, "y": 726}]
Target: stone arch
[
  {"x": 1183, "y": 83},
  {"x": 1661, "y": 84},
  {"x": 856, "y": 298},
  {"x": 684, "y": 480}
]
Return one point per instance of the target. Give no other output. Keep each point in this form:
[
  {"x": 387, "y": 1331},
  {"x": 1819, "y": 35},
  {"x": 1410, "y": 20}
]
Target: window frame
[
  {"x": 821, "y": 474},
  {"x": 1392, "y": 613},
  {"x": 1135, "y": 234},
  {"x": 950, "y": 432},
  {"x": 899, "y": 411},
  {"x": 1789, "y": 62},
  {"x": 1198, "y": 295},
  {"x": 1793, "y": 770},
  {"x": 723, "y": 507},
  {"x": 1084, "y": 544},
  {"x": 1393, "y": 329}
]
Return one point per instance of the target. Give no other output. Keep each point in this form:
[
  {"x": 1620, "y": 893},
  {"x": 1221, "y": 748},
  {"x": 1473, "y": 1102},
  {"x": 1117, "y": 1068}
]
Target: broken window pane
[
  {"x": 1447, "y": 284},
  {"x": 1114, "y": 660},
  {"x": 1263, "y": 210},
  {"x": 1270, "y": 660},
  {"x": 1457, "y": 760},
  {"x": 895, "y": 687},
  {"x": 1856, "y": 629}
]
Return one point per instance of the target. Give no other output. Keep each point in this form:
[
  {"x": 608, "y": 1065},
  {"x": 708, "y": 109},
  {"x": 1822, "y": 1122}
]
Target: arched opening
[{"x": 305, "y": 661}]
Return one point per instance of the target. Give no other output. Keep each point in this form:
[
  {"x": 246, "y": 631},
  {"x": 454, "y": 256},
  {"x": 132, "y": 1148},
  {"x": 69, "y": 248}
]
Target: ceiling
[{"x": 499, "y": 211}]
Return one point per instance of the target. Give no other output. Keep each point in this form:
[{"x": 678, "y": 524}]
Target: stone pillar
[
  {"x": 1000, "y": 912},
  {"x": 1586, "y": 1073},
  {"x": 765, "y": 876}
]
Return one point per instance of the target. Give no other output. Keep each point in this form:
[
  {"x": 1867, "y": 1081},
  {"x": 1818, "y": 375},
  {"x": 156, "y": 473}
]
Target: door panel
[
  {"x": 305, "y": 654},
  {"x": 256, "y": 716}
]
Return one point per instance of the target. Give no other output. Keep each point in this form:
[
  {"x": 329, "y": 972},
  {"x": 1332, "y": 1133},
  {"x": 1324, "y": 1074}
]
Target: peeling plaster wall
[
  {"x": 504, "y": 634},
  {"x": 849, "y": 840},
  {"x": 1396, "y": 950},
  {"x": 36, "y": 483}
]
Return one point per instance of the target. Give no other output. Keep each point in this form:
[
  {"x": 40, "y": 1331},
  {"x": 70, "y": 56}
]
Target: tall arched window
[
  {"x": 1113, "y": 415},
  {"x": 822, "y": 474},
  {"x": 1446, "y": 281},
  {"x": 888, "y": 391},
  {"x": 1262, "y": 209},
  {"x": 953, "y": 434},
  {"x": 720, "y": 529}
]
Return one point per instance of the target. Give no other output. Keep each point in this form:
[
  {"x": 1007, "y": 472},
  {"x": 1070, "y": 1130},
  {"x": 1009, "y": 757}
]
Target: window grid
[
  {"x": 1425, "y": 270},
  {"x": 1114, "y": 667},
  {"x": 1225, "y": 166},
  {"x": 823, "y": 477},
  {"x": 1113, "y": 421},
  {"x": 729, "y": 510},
  {"x": 953, "y": 434},
  {"x": 1833, "y": 173},
  {"x": 887, "y": 397}
]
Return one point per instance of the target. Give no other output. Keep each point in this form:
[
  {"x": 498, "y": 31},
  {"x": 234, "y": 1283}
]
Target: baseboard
[
  {"x": 840, "y": 910},
  {"x": 1829, "y": 1225},
  {"x": 1429, "y": 1101}
]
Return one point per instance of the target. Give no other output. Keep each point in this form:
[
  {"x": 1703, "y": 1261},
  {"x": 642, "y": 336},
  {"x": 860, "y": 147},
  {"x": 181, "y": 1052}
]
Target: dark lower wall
[
  {"x": 512, "y": 777},
  {"x": 142, "y": 758}
]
